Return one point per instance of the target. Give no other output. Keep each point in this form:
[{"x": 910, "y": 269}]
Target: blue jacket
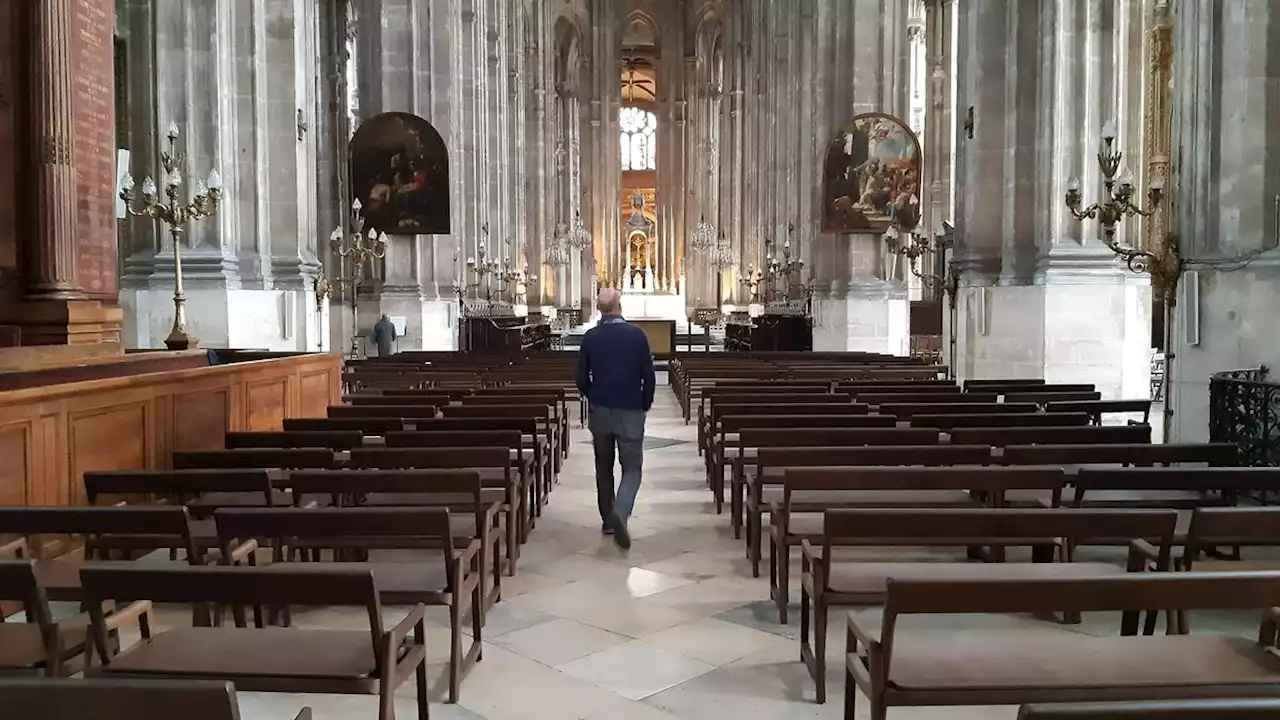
[{"x": 615, "y": 366}]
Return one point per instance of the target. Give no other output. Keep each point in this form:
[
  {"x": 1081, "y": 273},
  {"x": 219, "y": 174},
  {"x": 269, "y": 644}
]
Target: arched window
[{"x": 639, "y": 143}]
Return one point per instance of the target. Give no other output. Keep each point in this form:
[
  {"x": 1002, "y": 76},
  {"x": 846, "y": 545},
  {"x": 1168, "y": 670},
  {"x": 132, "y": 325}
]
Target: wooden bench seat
[
  {"x": 827, "y": 582},
  {"x": 265, "y": 659},
  {"x": 969, "y": 668}
]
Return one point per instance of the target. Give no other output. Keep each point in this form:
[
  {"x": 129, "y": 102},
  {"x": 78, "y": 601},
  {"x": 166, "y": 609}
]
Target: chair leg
[
  {"x": 455, "y": 650},
  {"x": 420, "y": 674},
  {"x": 783, "y": 574},
  {"x": 850, "y": 696},
  {"x": 820, "y": 650},
  {"x": 754, "y": 550}
]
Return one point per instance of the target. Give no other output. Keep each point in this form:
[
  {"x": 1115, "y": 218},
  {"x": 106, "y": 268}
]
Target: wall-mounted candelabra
[
  {"x": 175, "y": 215},
  {"x": 913, "y": 246},
  {"x": 356, "y": 248}
]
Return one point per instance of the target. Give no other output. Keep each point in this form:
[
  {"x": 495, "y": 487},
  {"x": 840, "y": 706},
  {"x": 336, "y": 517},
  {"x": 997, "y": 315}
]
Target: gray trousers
[{"x": 624, "y": 430}]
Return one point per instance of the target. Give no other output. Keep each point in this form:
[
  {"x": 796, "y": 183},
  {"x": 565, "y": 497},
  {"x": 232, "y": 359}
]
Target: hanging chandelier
[
  {"x": 557, "y": 253},
  {"x": 721, "y": 256},
  {"x": 704, "y": 237},
  {"x": 579, "y": 237}
]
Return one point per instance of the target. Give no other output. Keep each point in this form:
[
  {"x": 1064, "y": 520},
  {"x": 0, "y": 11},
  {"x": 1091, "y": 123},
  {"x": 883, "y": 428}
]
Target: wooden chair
[
  {"x": 264, "y": 659},
  {"x": 795, "y": 509},
  {"x": 446, "y": 576},
  {"x": 41, "y": 644},
  {"x": 555, "y": 401},
  {"x": 475, "y": 512},
  {"x": 540, "y": 413},
  {"x": 539, "y": 478},
  {"x": 828, "y": 583},
  {"x": 1232, "y": 709},
  {"x": 977, "y": 670},
  {"x": 121, "y": 699},
  {"x": 531, "y": 430},
  {"x": 494, "y": 464}
]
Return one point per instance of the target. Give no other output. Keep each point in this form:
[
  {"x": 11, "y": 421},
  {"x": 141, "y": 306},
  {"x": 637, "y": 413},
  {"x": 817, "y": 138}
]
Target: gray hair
[{"x": 609, "y": 302}]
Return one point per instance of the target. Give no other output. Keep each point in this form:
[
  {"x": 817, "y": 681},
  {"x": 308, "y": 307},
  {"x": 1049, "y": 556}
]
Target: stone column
[
  {"x": 1225, "y": 202},
  {"x": 51, "y": 257}
]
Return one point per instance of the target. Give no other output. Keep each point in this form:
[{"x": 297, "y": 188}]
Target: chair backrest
[
  {"x": 365, "y": 425},
  {"x": 1220, "y": 454},
  {"x": 117, "y": 699},
  {"x": 1100, "y": 406},
  {"x": 894, "y": 386},
  {"x": 1230, "y": 480},
  {"x": 735, "y": 423},
  {"x": 497, "y": 411},
  {"x": 1217, "y": 709},
  {"x": 998, "y": 420},
  {"x": 451, "y": 457},
  {"x": 180, "y": 484},
  {"x": 926, "y": 397},
  {"x": 909, "y": 410},
  {"x": 512, "y": 398},
  {"x": 962, "y": 527},
  {"x": 363, "y": 482},
  {"x": 925, "y": 455},
  {"x": 382, "y": 410},
  {"x": 1096, "y": 434},
  {"x": 1003, "y": 382},
  {"x": 985, "y": 479},
  {"x": 526, "y": 425},
  {"x": 1218, "y": 526},
  {"x": 802, "y": 408},
  {"x": 1132, "y": 591},
  {"x": 780, "y": 436},
  {"x": 1043, "y": 397},
  {"x": 756, "y": 397},
  {"x": 18, "y": 584},
  {"x": 162, "y": 526},
  {"x": 455, "y": 438},
  {"x": 331, "y": 439},
  {"x": 271, "y": 458},
  {"x": 386, "y": 399}
]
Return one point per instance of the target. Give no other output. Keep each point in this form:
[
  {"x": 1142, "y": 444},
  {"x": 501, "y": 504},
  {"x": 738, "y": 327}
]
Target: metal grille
[{"x": 1244, "y": 409}]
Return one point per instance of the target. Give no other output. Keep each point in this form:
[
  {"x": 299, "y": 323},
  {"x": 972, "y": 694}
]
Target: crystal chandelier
[
  {"x": 557, "y": 252},
  {"x": 579, "y": 237},
  {"x": 704, "y": 237},
  {"x": 721, "y": 256}
]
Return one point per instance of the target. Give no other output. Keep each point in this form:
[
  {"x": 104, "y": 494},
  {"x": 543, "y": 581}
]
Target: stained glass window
[{"x": 638, "y": 137}]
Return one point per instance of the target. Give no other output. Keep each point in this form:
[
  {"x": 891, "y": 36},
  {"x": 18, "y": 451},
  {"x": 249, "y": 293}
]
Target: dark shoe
[
  {"x": 605, "y": 529},
  {"x": 621, "y": 537}
]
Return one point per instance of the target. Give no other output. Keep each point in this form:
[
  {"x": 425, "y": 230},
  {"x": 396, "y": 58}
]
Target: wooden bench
[
  {"x": 970, "y": 669},
  {"x": 536, "y": 469},
  {"x": 1232, "y": 709},
  {"x": 531, "y": 429},
  {"x": 1138, "y": 454},
  {"x": 42, "y": 644},
  {"x": 906, "y": 411},
  {"x": 256, "y": 458},
  {"x": 392, "y": 398},
  {"x": 495, "y": 465},
  {"x": 772, "y": 463},
  {"x": 1176, "y": 487},
  {"x": 331, "y": 439},
  {"x": 540, "y": 413},
  {"x": 924, "y": 398},
  {"x": 476, "y": 512},
  {"x": 1050, "y": 397},
  {"x": 1088, "y": 434},
  {"x": 795, "y": 508},
  {"x": 732, "y": 404},
  {"x": 365, "y": 425},
  {"x": 446, "y": 575},
  {"x": 263, "y": 659},
  {"x": 1001, "y": 420},
  {"x": 1097, "y": 408},
  {"x": 828, "y": 583},
  {"x": 383, "y": 410},
  {"x": 1000, "y": 383},
  {"x": 122, "y": 699},
  {"x": 559, "y": 415},
  {"x": 731, "y": 425}
]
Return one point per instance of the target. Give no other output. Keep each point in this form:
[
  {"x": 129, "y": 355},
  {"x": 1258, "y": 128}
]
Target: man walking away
[
  {"x": 384, "y": 334},
  {"x": 615, "y": 374}
]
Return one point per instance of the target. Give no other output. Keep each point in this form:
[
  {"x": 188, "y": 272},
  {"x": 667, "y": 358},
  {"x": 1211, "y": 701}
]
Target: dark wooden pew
[
  {"x": 112, "y": 699},
  {"x": 1089, "y": 434},
  {"x": 905, "y": 411},
  {"x": 1226, "y": 709},
  {"x": 947, "y": 422},
  {"x": 332, "y": 439}
]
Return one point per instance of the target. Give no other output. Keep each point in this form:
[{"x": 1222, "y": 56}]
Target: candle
[{"x": 1109, "y": 130}]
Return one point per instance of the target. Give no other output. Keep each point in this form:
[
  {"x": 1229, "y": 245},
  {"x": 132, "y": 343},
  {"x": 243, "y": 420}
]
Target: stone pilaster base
[
  {"x": 876, "y": 321},
  {"x": 1092, "y": 332},
  {"x": 283, "y": 320},
  {"x": 64, "y": 322}
]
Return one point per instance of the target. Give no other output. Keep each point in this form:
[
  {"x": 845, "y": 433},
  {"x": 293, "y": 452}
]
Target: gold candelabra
[
  {"x": 360, "y": 248},
  {"x": 202, "y": 204},
  {"x": 1163, "y": 262},
  {"x": 782, "y": 268},
  {"x": 517, "y": 280},
  {"x": 483, "y": 267}
]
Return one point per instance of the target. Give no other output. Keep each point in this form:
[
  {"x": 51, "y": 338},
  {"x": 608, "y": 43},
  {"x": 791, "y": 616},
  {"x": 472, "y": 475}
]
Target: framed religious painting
[
  {"x": 400, "y": 174},
  {"x": 871, "y": 177}
]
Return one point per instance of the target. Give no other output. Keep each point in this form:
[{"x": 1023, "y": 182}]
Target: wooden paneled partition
[{"x": 49, "y": 436}]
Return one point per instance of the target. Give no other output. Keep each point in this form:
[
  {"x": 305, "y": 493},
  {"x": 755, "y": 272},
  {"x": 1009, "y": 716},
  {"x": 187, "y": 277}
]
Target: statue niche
[{"x": 400, "y": 174}]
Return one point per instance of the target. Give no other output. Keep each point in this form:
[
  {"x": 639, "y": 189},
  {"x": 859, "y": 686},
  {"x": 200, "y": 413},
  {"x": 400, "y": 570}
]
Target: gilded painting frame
[{"x": 871, "y": 173}]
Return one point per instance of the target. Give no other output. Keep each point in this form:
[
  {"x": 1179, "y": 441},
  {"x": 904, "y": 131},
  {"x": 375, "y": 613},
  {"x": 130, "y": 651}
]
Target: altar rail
[{"x": 50, "y": 435}]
